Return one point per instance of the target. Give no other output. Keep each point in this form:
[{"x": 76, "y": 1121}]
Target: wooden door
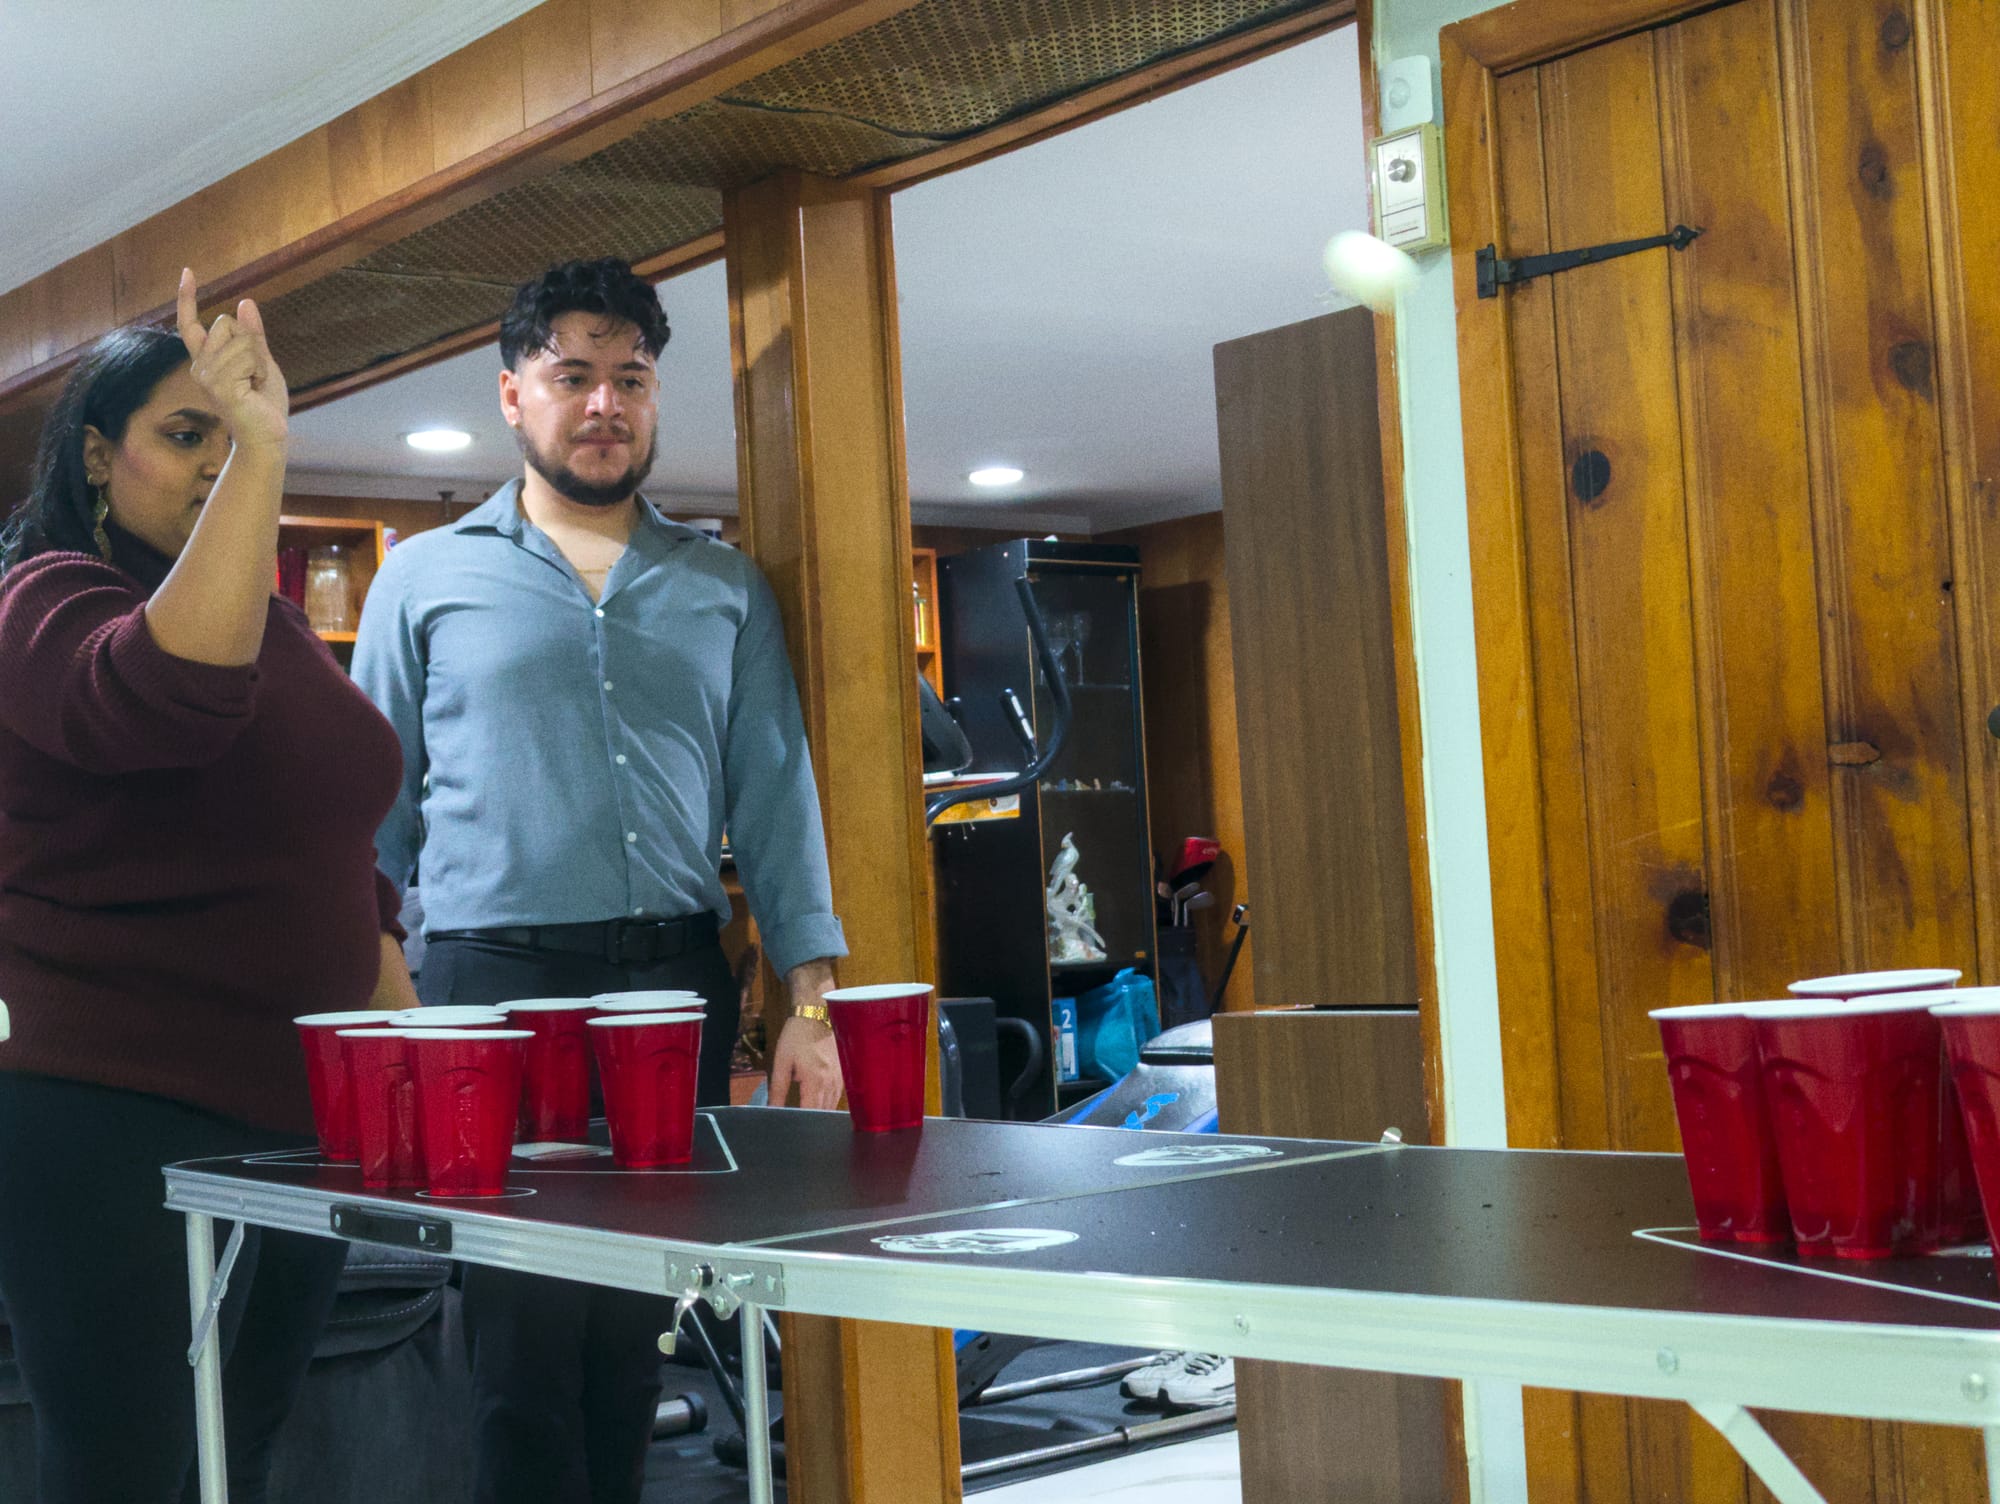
[
  {"x": 1309, "y": 607},
  {"x": 1732, "y": 546}
]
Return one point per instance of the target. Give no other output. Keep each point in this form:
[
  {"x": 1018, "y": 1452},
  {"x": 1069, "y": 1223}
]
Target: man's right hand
[{"x": 232, "y": 362}]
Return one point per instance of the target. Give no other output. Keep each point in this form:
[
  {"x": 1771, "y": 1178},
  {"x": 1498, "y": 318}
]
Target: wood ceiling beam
[
  {"x": 563, "y": 81},
  {"x": 560, "y": 82}
]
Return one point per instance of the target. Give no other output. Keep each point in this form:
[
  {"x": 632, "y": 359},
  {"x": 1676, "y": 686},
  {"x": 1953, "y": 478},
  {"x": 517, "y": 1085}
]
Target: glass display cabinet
[{"x": 994, "y": 863}]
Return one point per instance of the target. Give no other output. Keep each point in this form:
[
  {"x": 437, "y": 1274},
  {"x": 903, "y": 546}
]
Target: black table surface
[
  {"x": 1560, "y": 1229},
  {"x": 1552, "y": 1227},
  {"x": 761, "y": 1175}
]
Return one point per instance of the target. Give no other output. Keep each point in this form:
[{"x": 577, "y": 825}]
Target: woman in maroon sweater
[{"x": 189, "y": 789}]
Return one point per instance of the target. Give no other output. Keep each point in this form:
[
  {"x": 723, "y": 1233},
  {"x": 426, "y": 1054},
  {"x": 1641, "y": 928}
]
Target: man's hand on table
[{"x": 805, "y": 1053}]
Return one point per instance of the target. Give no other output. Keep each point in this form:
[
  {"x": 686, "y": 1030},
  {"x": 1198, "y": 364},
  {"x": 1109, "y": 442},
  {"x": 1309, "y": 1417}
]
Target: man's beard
[{"x": 573, "y": 487}]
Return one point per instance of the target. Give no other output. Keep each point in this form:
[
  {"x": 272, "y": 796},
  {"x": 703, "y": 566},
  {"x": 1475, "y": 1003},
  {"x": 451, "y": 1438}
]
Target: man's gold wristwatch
[{"x": 815, "y": 1012}]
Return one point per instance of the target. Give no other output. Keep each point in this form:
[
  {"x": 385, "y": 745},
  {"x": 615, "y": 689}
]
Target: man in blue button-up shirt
[{"x": 588, "y": 695}]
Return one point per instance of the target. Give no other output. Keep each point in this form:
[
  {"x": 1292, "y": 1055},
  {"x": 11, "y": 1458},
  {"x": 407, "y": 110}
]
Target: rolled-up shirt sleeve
[
  {"x": 772, "y": 802},
  {"x": 83, "y": 680},
  {"x": 389, "y": 668}
]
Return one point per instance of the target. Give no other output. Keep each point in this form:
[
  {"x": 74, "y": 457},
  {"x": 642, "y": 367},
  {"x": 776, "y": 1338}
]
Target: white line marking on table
[
  {"x": 1252, "y": 1167},
  {"x": 1658, "y": 1235}
]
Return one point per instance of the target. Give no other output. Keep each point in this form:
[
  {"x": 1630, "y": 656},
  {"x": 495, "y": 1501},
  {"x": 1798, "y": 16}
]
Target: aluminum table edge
[
  {"x": 1939, "y": 1375},
  {"x": 622, "y": 1260}
]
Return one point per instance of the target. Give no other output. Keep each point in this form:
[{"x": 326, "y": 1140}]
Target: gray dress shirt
[{"x": 568, "y": 760}]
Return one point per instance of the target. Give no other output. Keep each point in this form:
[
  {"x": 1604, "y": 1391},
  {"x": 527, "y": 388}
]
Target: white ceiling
[
  {"x": 1058, "y": 304},
  {"x": 113, "y": 110}
]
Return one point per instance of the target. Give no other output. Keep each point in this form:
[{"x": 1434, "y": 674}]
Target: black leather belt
[{"x": 622, "y": 942}]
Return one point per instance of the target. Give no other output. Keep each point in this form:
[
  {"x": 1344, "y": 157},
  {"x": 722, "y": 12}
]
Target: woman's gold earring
[{"x": 99, "y": 510}]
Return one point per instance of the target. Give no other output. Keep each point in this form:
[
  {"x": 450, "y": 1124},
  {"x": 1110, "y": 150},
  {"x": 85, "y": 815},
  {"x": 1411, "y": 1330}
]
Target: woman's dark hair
[
  {"x": 110, "y": 383},
  {"x": 605, "y": 287}
]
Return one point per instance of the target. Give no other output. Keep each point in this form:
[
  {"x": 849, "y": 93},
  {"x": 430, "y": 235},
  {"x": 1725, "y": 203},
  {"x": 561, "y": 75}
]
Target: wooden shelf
[
  {"x": 362, "y": 539},
  {"x": 923, "y": 569}
]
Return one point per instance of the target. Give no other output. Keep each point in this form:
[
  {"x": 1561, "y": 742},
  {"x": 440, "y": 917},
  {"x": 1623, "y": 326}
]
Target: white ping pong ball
[{"x": 1368, "y": 270}]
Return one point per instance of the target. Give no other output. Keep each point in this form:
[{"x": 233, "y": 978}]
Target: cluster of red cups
[
  {"x": 1859, "y": 1119},
  {"x": 435, "y": 1099}
]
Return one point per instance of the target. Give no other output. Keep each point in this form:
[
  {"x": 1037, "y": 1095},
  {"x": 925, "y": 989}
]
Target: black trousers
[
  {"x": 93, "y": 1270},
  {"x": 566, "y": 1376}
]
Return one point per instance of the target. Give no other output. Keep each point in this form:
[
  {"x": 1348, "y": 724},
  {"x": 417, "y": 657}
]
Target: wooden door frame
[{"x": 1473, "y": 54}]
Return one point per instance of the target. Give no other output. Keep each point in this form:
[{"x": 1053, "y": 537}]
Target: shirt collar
[
  {"x": 653, "y": 539},
  {"x": 497, "y": 514},
  {"x": 501, "y": 513}
]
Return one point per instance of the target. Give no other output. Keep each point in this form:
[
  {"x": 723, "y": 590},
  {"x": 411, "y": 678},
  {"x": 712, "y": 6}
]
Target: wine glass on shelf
[
  {"x": 1057, "y": 626},
  {"x": 1079, "y": 634}
]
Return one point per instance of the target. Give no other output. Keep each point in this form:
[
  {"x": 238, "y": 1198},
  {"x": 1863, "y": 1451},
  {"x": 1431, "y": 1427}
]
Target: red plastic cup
[
  {"x": 1856, "y": 1095},
  {"x": 459, "y": 1016},
  {"x": 385, "y": 1108},
  {"x": 555, "y": 1081},
  {"x": 1972, "y": 1043},
  {"x": 676, "y": 1000},
  {"x": 1726, "y": 1135},
  {"x": 1855, "y": 984},
  {"x": 648, "y": 1063},
  {"x": 468, "y": 1103},
  {"x": 327, "y": 1081},
  {"x": 882, "y": 1033}
]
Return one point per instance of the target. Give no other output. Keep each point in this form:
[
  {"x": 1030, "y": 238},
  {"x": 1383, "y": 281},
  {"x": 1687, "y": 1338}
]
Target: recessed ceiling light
[
  {"x": 438, "y": 440},
  {"x": 995, "y": 475}
]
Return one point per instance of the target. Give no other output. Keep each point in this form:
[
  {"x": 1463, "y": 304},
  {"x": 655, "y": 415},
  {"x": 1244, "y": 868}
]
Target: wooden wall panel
[
  {"x": 274, "y": 202},
  {"x": 554, "y": 41},
  {"x": 477, "y": 97},
  {"x": 72, "y": 304},
  {"x": 1324, "y": 836},
  {"x": 1749, "y": 505},
  {"x": 1194, "y": 775},
  {"x": 1629, "y": 578},
  {"x": 1882, "y": 544},
  {"x": 1572, "y": 1014},
  {"x": 381, "y": 146},
  {"x": 627, "y": 37}
]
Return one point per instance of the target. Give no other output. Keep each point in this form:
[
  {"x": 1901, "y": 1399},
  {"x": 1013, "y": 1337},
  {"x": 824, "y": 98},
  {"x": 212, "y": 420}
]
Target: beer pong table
[{"x": 1565, "y": 1270}]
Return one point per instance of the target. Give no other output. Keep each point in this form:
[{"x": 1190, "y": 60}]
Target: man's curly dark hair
[{"x": 606, "y": 286}]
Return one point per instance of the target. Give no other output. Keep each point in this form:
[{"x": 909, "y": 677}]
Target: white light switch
[{"x": 1409, "y": 189}]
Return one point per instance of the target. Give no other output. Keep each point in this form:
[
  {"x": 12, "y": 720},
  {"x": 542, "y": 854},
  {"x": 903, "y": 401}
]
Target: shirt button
[
  {"x": 607, "y": 684},
  {"x": 621, "y": 759},
  {"x": 638, "y": 913},
  {"x": 599, "y": 612},
  {"x": 631, "y": 836}
]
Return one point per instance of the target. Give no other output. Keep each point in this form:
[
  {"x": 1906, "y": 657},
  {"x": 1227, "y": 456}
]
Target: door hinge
[{"x": 1495, "y": 272}]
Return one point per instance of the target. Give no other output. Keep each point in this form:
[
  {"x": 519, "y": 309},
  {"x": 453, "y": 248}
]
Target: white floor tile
[{"x": 1203, "y": 1471}]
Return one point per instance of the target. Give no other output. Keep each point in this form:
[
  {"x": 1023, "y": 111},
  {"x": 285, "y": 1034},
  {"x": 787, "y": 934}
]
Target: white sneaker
[
  {"x": 1205, "y": 1380},
  {"x": 1146, "y": 1383}
]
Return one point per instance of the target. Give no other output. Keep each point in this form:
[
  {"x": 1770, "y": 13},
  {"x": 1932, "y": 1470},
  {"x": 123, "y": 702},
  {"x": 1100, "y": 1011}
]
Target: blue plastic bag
[{"x": 1112, "y": 1022}]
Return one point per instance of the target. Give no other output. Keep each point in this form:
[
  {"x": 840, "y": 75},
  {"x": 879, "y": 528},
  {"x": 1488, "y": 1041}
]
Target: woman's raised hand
[{"x": 233, "y": 364}]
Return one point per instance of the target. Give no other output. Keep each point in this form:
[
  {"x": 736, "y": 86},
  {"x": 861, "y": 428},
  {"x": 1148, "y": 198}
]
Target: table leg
[
  {"x": 1765, "y": 1457},
  {"x": 756, "y": 1403},
  {"x": 207, "y": 1360},
  {"x": 1993, "y": 1464}
]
